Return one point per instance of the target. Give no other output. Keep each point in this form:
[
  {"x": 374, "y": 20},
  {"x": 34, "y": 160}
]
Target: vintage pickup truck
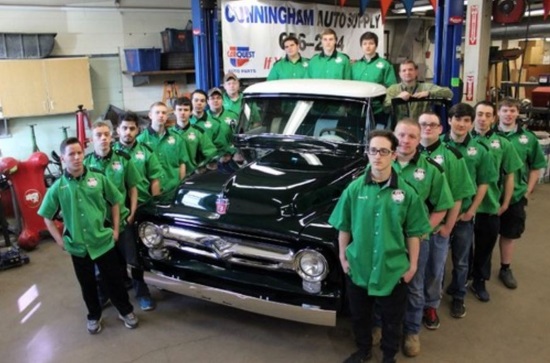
[{"x": 253, "y": 234}]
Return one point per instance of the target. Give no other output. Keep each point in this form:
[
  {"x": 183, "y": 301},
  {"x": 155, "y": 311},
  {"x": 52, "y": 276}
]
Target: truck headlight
[
  {"x": 310, "y": 265},
  {"x": 150, "y": 234}
]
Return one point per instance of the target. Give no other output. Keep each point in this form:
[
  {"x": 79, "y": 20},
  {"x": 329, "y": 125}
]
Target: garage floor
[{"x": 43, "y": 320}]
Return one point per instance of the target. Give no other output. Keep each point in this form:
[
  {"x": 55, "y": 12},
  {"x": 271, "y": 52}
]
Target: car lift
[{"x": 205, "y": 40}]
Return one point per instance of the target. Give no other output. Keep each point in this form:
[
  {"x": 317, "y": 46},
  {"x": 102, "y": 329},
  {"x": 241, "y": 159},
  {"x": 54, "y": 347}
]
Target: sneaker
[
  {"x": 94, "y": 326},
  {"x": 507, "y": 278},
  {"x": 411, "y": 345},
  {"x": 431, "y": 320},
  {"x": 130, "y": 320},
  {"x": 359, "y": 357},
  {"x": 479, "y": 290},
  {"x": 376, "y": 335},
  {"x": 458, "y": 309},
  {"x": 146, "y": 303}
]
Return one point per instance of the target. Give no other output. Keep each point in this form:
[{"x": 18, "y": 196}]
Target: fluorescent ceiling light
[
  {"x": 537, "y": 12},
  {"x": 415, "y": 9}
]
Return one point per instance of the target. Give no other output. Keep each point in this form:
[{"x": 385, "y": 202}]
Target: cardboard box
[{"x": 534, "y": 51}]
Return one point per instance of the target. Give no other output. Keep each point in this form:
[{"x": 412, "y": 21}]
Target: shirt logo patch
[
  {"x": 338, "y": 59},
  {"x": 140, "y": 155},
  {"x": 191, "y": 136},
  {"x": 117, "y": 166},
  {"x": 439, "y": 159},
  {"x": 472, "y": 151},
  {"x": 92, "y": 182},
  {"x": 523, "y": 139},
  {"x": 419, "y": 174},
  {"x": 495, "y": 144},
  {"x": 208, "y": 124},
  {"x": 228, "y": 120},
  {"x": 305, "y": 64},
  {"x": 398, "y": 196},
  {"x": 380, "y": 65},
  {"x": 171, "y": 140}
]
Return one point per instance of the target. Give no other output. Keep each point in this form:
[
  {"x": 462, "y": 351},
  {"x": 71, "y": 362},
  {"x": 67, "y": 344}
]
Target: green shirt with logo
[
  {"x": 455, "y": 168},
  {"x": 228, "y": 122},
  {"x": 85, "y": 203},
  {"x": 200, "y": 148},
  {"x": 335, "y": 66},
  {"x": 530, "y": 152},
  {"x": 506, "y": 161},
  {"x": 146, "y": 163},
  {"x": 119, "y": 169},
  {"x": 233, "y": 105},
  {"x": 214, "y": 129},
  {"x": 479, "y": 162},
  {"x": 377, "y": 70},
  {"x": 171, "y": 153},
  {"x": 284, "y": 68},
  {"x": 379, "y": 219}
]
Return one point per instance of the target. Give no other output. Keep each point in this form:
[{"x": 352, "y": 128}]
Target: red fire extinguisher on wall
[{"x": 82, "y": 119}]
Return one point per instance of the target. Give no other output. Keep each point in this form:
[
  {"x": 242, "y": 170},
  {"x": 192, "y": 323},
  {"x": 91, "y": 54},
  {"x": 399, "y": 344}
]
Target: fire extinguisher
[{"x": 82, "y": 119}]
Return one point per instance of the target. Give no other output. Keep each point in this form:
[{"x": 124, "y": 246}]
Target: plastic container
[
  {"x": 142, "y": 59},
  {"x": 176, "y": 40},
  {"x": 25, "y": 46},
  {"x": 177, "y": 60}
]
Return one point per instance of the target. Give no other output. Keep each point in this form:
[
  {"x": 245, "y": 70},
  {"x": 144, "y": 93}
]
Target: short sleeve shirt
[
  {"x": 84, "y": 202},
  {"x": 199, "y": 146},
  {"x": 335, "y": 66},
  {"x": 233, "y": 105},
  {"x": 377, "y": 70},
  {"x": 379, "y": 218},
  {"x": 284, "y": 68}
]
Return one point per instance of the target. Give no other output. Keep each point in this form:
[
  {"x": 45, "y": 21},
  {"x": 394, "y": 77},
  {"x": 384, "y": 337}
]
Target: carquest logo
[{"x": 239, "y": 56}]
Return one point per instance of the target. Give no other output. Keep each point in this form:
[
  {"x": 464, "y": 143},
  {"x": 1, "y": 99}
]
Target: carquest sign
[{"x": 253, "y": 32}]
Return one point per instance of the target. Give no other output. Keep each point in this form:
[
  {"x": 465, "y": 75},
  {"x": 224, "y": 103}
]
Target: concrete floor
[{"x": 43, "y": 319}]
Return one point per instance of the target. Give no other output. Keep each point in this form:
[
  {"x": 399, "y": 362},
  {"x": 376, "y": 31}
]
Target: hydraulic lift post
[{"x": 205, "y": 40}]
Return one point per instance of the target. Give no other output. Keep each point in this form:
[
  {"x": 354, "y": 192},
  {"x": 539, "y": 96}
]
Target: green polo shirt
[
  {"x": 171, "y": 153},
  {"x": 530, "y": 153},
  {"x": 379, "y": 218},
  {"x": 146, "y": 163},
  {"x": 284, "y": 68},
  {"x": 228, "y": 120},
  {"x": 455, "y": 168},
  {"x": 506, "y": 161},
  {"x": 336, "y": 66},
  {"x": 214, "y": 129},
  {"x": 235, "y": 106},
  {"x": 85, "y": 202},
  {"x": 414, "y": 109},
  {"x": 479, "y": 162},
  {"x": 377, "y": 70},
  {"x": 119, "y": 169},
  {"x": 429, "y": 181},
  {"x": 200, "y": 148}
]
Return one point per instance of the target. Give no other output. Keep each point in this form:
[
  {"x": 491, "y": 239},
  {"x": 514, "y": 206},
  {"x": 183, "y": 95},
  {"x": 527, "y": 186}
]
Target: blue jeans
[
  {"x": 415, "y": 296},
  {"x": 462, "y": 238},
  {"x": 435, "y": 267}
]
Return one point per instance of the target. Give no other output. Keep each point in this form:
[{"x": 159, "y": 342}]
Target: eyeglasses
[
  {"x": 431, "y": 125},
  {"x": 383, "y": 152}
]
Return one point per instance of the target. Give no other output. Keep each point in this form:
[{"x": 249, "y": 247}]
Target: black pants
[
  {"x": 112, "y": 283},
  {"x": 486, "y": 230},
  {"x": 392, "y": 310}
]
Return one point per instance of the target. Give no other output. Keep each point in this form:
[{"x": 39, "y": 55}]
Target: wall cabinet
[{"x": 44, "y": 87}]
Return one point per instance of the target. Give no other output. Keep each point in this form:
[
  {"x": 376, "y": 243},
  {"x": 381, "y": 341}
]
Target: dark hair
[
  {"x": 430, "y": 113},
  {"x": 488, "y": 104},
  {"x": 386, "y": 134},
  {"x": 291, "y": 38},
  {"x": 509, "y": 102},
  {"x": 199, "y": 91},
  {"x": 129, "y": 117},
  {"x": 408, "y": 61},
  {"x": 462, "y": 110},
  {"x": 67, "y": 142},
  {"x": 184, "y": 101},
  {"x": 369, "y": 36}
]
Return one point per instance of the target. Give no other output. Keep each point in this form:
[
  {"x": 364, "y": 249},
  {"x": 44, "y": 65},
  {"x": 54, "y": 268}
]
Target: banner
[{"x": 253, "y": 32}]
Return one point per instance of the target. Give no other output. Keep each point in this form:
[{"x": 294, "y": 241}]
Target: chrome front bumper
[{"x": 310, "y": 315}]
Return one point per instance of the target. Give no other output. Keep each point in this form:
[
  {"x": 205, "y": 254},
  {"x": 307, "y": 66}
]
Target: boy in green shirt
[
  {"x": 372, "y": 68},
  {"x": 497, "y": 199},
  {"x": 482, "y": 171},
  {"x": 329, "y": 64},
  {"x": 380, "y": 220},
  {"x": 232, "y": 98},
  {"x": 512, "y": 221},
  {"x": 212, "y": 127},
  {"x": 167, "y": 145},
  {"x": 226, "y": 118},
  {"x": 84, "y": 197},
  {"x": 199, "y": 146},
  {"x": 292, "y": 65}
]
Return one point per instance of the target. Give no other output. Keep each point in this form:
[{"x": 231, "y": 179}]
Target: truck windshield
[{"x": 332, "y": 120}]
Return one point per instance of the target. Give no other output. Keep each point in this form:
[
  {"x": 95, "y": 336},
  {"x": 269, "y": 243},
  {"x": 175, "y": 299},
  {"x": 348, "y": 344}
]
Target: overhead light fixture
[
  {"x": 537, "y": 12},
  {"x": 415, "y": 9}
]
